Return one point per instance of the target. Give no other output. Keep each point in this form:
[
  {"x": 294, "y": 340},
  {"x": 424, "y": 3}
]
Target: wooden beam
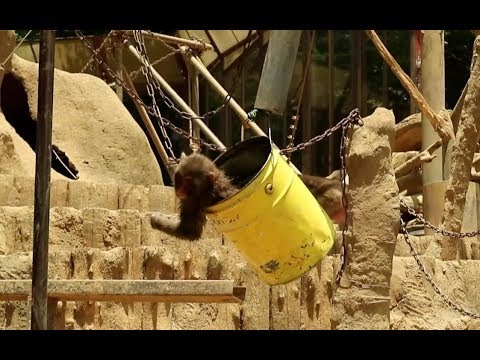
[
  {"x": 173, "y": 40},
  {"x": 43, "y": 167},
  {"x": 192, "y": 291}
]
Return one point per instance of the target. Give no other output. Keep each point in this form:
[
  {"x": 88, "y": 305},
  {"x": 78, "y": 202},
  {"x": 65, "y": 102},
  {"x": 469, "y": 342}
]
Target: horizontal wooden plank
[{"x": 200, "y": 291}]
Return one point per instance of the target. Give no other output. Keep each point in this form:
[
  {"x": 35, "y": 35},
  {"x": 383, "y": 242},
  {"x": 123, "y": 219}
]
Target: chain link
[
  {"x": 183, "y": 114},
  {"x": 352, "y": 118},
  {"x": 436, "y": 229},
  {"x": 429, "y": 278},
  {"x": 97, "y": 51},
  {"x": 343, "y": 172},
  {"x": 147, "y": 72},
  {"x": 119, "y": 81}
]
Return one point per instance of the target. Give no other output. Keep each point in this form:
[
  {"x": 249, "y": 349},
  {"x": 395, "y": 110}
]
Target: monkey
[
  {"x": 198, "y": 184},
  {"x": 328, "y": 193}
]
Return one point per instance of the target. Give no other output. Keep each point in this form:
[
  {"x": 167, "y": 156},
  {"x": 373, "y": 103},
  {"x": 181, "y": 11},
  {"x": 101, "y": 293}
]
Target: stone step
[
  {"x": 78, "y": 194},
  {"x": 72, "y": 228}
]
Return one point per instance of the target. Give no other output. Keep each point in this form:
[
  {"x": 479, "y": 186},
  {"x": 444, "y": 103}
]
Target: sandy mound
[{"x": 90, "y": 124}]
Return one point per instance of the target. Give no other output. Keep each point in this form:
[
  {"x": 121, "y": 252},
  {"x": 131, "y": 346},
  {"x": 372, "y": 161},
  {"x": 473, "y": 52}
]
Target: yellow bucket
[{"x": 274, "y": 220}]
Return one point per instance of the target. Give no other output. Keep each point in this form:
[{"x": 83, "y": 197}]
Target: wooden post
[
  {"x": 42, "y": 181},
  {"x": 433, "y": 89},
  {"x": 331, "y": 96}
]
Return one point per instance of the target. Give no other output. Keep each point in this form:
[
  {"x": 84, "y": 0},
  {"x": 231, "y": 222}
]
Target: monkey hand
[{"x": 162, "y": 222}]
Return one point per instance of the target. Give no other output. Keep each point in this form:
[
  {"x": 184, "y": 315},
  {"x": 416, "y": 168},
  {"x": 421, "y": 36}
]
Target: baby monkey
[
  {"x": 198, "y": 183},
  {"x": 329, "y": 195}
]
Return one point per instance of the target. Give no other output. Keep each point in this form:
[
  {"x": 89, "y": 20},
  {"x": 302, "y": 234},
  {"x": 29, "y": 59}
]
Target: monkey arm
[{"x": 187, "y": 228}]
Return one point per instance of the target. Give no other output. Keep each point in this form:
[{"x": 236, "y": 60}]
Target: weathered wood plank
[{"x": 200, "y": 291}]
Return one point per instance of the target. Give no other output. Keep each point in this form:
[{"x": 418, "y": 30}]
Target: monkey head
[{"x": 194, "y": 177}]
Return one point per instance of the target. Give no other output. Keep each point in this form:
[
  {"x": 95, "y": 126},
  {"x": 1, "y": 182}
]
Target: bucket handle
[{"x": 269, "y": 187}]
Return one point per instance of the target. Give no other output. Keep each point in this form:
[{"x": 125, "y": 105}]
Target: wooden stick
[
  {"x": 173, "y": 40},
  {"x": 424, "y": 156},
  {"x": 441, "y": 126}
]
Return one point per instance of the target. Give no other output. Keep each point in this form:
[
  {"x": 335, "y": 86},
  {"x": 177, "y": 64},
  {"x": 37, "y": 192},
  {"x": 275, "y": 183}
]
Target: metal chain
[
  {"x": 438, "y": 230},
  {"x": 119, "y": 81},
  {"x": 353, "y": 117},
  {"x": 147, "y": 72},
  {"x": 186, "y": 116},
  {"x": 429, "y": 278},
  {"x": 343, "y": 172},
  {"x": 291, "y": 137},
  {"x": 97, "y": 51}
]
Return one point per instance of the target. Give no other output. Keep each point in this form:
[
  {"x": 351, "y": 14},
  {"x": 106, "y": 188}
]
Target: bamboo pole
[
  {"x": 441, "y": 126},
  {"x": 173, "y": 40}
]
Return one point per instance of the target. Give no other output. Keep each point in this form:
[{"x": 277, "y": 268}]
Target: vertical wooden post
[
  {"x": 42, "y": 181},
  {"x": 331, "y": 96},
  {"x": 433, "y": 89}
]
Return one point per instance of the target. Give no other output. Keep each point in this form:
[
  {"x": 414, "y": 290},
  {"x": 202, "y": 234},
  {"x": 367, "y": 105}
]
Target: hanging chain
[
  {"x": 436, "y": 229},
  {"x": 291, "y": 137},
  {"x": 429, "y": 278},
  {"x": 343, "y": 172},
  {"x": 97, "y": 50},
  {"x": 352, "y": 118},
  {"x": 147, "y": 72},
  {"x": 183, "y": 114},
  {"x": 137, "y": 98}
]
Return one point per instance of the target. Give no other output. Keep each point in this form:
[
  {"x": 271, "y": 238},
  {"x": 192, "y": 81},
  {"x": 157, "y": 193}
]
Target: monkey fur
[
  {"x": 198, "y": 183},
  {"x": 329, "y": 195}
]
